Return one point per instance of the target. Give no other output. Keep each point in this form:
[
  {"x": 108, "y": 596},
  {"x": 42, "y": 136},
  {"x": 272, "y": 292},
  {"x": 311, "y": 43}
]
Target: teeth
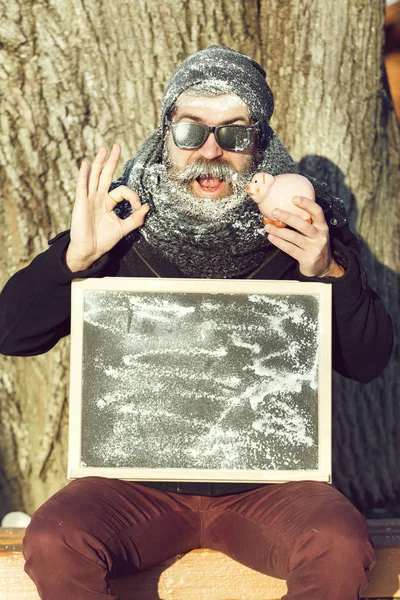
[{"x": 205, "y": 177}]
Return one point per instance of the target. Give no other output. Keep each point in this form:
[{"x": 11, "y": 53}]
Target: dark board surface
[{"x": 193, "y": 381}]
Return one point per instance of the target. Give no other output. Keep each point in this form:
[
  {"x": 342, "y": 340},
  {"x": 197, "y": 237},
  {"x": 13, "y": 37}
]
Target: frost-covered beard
[
  {"x": 203, "y": 245},
  {"x": 202, "y": 209},
  {"x": 204, "y": 237}
]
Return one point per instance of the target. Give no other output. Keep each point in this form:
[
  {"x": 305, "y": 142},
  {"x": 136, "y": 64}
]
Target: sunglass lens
[
  {"x": 189, "y": 135},
  {"x": 234, "y": 138}
]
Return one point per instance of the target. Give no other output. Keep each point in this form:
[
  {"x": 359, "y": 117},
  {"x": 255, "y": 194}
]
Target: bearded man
[{"x": 181, "y": 210}]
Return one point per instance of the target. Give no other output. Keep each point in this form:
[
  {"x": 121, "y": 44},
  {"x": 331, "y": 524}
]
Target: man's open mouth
[{"x": 210, "y": 184}]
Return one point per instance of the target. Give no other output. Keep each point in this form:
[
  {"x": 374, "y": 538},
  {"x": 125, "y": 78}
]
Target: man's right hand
[{"x": 95, "y": 228}]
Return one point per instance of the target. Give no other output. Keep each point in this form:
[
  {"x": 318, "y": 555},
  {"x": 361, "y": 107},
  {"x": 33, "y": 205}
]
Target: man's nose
[{"x": 210, "y": 148}]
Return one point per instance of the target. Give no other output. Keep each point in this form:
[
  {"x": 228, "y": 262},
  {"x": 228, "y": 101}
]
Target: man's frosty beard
[{"x": 204, "y": 210}]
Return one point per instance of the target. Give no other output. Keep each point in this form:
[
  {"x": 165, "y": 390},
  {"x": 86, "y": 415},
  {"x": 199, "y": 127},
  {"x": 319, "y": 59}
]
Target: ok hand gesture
[{"x": 95, "y": 228}]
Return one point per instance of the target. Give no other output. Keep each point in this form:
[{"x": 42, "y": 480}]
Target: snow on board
[{"x": 200, "y": 380}]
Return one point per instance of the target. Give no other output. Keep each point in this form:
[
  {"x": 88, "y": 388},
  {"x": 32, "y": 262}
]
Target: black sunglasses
[{"x": 191, "y": 136}]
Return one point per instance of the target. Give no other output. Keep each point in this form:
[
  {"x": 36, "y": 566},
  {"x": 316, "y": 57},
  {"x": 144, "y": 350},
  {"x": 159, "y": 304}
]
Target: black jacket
[{"x": 35, "y": 307}]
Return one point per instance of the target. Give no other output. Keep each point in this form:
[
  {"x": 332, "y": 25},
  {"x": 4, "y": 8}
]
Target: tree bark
[{"x": 76, "y": 74}]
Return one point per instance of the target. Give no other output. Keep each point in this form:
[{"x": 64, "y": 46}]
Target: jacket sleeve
[
  {"x": 35, "y": 304},
  {"x": 362, "y": 331}
]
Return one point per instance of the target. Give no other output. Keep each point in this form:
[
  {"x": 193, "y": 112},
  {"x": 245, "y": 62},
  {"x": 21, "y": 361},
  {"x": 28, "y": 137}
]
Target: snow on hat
[{"x": 228, "y": 70}]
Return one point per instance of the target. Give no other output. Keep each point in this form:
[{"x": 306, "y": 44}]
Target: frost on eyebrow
[
  {"x": 213, "y": 87},
  {"x": 221, "y": 102}
]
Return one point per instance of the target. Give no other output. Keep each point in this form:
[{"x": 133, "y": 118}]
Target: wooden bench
[{"x": 205, "y": 574}]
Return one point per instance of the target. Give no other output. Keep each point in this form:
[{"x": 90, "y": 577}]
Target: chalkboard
[{"x": 200, "y": 380}]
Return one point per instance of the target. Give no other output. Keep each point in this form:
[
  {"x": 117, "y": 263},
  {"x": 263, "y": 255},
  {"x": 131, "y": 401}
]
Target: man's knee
[
  {"x": 44, "y": 536},
  {"x": 63, "y": 558},
  {"x": 51, "y": 536},
  {"x": 339, "y": 539}
]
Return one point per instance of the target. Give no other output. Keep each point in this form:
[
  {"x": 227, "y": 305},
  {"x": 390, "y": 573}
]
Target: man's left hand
[{"x": 308, "y": 243}]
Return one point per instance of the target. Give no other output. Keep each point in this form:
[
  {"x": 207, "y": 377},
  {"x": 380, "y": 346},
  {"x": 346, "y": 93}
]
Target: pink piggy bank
[{"x": 277, "y": 192}]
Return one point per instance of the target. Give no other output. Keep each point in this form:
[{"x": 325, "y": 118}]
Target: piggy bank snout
[{"x": 252, "y": 189}]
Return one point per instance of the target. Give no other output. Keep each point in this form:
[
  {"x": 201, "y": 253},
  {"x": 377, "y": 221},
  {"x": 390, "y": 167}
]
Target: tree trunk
[{"x": 77, "y": 74}]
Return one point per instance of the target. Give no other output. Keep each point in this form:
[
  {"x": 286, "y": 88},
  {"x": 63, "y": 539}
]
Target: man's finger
[
  {"x": 295, "y": 222},
  {"x": 289, "y": 235},
  {"x": 313, "y": 209},
  {"x": 95, "y": 170},
  {"x": 122, "y": 192},
  {"x": 135, "y": 220},
  {"x": 291, "y": 249},
  {"x": 82, "y": 182},
  {"x": 107, "y": 172}
]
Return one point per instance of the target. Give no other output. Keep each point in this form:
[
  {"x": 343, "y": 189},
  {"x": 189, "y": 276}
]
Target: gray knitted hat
[{"x": 231, "y": 72}]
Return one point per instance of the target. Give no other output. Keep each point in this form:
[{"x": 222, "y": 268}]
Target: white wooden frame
[{"x": 201, "y": 286}]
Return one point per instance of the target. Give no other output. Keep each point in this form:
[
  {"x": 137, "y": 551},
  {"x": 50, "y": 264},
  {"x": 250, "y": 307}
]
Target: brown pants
[{"x": 95, "y": 528}]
